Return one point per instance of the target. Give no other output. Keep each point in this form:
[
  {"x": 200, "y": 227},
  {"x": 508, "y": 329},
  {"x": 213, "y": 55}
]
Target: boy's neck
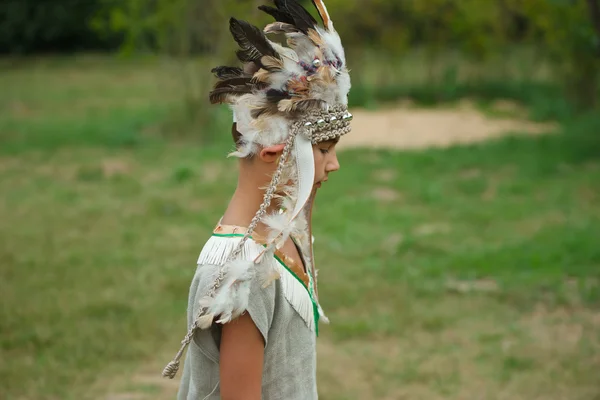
[{"x": 243, "y": 207}]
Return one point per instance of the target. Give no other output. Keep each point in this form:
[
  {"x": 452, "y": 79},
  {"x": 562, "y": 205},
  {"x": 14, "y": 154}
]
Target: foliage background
[{"x": 564, "y": 32}]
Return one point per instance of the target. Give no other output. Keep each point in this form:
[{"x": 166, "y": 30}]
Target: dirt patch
[
  {"x": 338, "y": 367},
  {"x": 385, "y": 175},
  {"x": 145, "y": 384},
  {"x": 114, "y": 167},
  {"x": 413, "y": 128},
  {"x": 385, "y": 195}
]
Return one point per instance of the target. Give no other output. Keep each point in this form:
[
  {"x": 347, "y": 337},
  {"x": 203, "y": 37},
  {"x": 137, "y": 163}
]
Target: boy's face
[{"x": 325, "y": 160}]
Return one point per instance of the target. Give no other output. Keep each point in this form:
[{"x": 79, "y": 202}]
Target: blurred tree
[
  {"x": 30, "y": 26},
  {"x": 566, "y": 30},
  {"x": 483, "y": 31}
]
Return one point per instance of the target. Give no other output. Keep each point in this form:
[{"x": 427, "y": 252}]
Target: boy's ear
[{"x": 271, "y": 154}]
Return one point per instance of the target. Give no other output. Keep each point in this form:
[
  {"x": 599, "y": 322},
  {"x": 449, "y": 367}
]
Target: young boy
[{"x": 253, "y": 309}]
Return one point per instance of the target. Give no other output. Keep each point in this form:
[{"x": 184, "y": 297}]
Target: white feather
[
  {"x": 303, "y": 46},
  {"x": 291, "y": 69},
  {"x": 334, "y": 43},
  {"x": 285, "y": 52},
  {"x": 205, "y": 321},
  {"x": 280, "y": 228},
  {"x": 343, "y": 88},
  {"x": 276, "y": 222}
]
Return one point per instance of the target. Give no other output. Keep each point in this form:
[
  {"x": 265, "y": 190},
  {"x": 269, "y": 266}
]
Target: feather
[
  {"x": 292, "y": 106},
  {"x": 252, "y": 41},
  {"x": 309, "y": 105},
  {"x": 269, "y": 276},
  {"x": 303, "y": 46},
  {"x": 315, "y": 38},
  {"x": 299, "y": 87},
  {"x": 285, "y": 52},
  {"x": 320, "y": 5},
  {"x": 225, "y": 72},
  {"x": 302, "y": 18},
  {"x": 271, "y": 63},
  {"x": 233, "y": 82},
  {"x": 275, "y": 96},
  {"x": 205, "y": 321},
  {"x": 276, "y": 222},
  {"x": 280, "y": 16},
  {"x": 285, "y": 106},
  {"x": 269, "y": 109},
  {"x": 262, "y": 76},
  {"x": 281, "y": 27},
  {"x": 333, "y": 46},
  {"x": 222, "y": 95}
]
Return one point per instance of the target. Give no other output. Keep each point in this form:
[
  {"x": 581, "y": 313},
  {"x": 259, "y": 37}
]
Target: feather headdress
[{"x": 294, "y": 93}]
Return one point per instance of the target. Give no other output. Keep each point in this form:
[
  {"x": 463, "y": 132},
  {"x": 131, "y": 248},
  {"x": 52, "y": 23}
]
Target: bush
[{"x": 36, "y": 26}]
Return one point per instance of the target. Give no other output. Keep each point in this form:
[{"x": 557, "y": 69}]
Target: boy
[{"x": 253, "y": 309}]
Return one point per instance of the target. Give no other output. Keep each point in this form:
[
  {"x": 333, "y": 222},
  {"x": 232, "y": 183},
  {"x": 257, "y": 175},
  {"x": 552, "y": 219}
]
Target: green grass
[{"x": 445, "y": 273}]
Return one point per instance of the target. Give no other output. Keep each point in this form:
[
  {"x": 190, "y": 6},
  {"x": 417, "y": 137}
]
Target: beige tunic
[{"x": 288, "y": 328}]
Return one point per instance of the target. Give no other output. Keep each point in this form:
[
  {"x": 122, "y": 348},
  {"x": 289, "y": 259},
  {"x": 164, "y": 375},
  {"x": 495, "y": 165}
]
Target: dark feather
[
  {"x": 225, "y": 72},
  {"x": 220, "y": 95},
  {"x": 302, "y": 18},
  {"x": 245, "y": 56},
  {"x": 239, "y": 81},
  {"x": 310, "y": 105},
  {"x": 280, "y": 16},
  {"x": 252, "y": 41},
  {"x": 269, "y": 109},
  {"x": 275, "y": 96}
]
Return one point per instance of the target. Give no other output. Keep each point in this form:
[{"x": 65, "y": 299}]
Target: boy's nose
[{"x": 333, "y": 164}]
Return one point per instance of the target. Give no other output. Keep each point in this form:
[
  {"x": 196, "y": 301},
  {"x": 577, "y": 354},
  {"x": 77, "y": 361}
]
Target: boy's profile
[{"x": 254, "y": 312}]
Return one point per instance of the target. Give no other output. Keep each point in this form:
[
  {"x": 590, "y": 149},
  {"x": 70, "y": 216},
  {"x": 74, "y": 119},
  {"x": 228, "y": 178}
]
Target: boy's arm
[{"x": 241, "y": 360}]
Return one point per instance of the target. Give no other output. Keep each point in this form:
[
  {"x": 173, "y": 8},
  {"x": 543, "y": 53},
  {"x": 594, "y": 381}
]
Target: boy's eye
[{"x": 324, "y": 151}]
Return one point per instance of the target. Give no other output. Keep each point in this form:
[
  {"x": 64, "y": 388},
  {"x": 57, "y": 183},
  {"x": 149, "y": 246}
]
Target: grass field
[{"x": 467, "y": 273}]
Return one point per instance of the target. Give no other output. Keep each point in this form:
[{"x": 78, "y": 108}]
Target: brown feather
[
  {"x": 267, "y": 109},
  {"x": 299, "y": 106},
  {"x": 286, "y": 106},
  {"x": 324, "y": 14},
  {"x": 326, "y": 75},
  {"x": 309, "y": 105},
  {"x": 316, "y": 38},
  {"x": 262, "y": 76},
  {"x": 298, "y": 87},
  {"x": 271, "y": 63}
]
